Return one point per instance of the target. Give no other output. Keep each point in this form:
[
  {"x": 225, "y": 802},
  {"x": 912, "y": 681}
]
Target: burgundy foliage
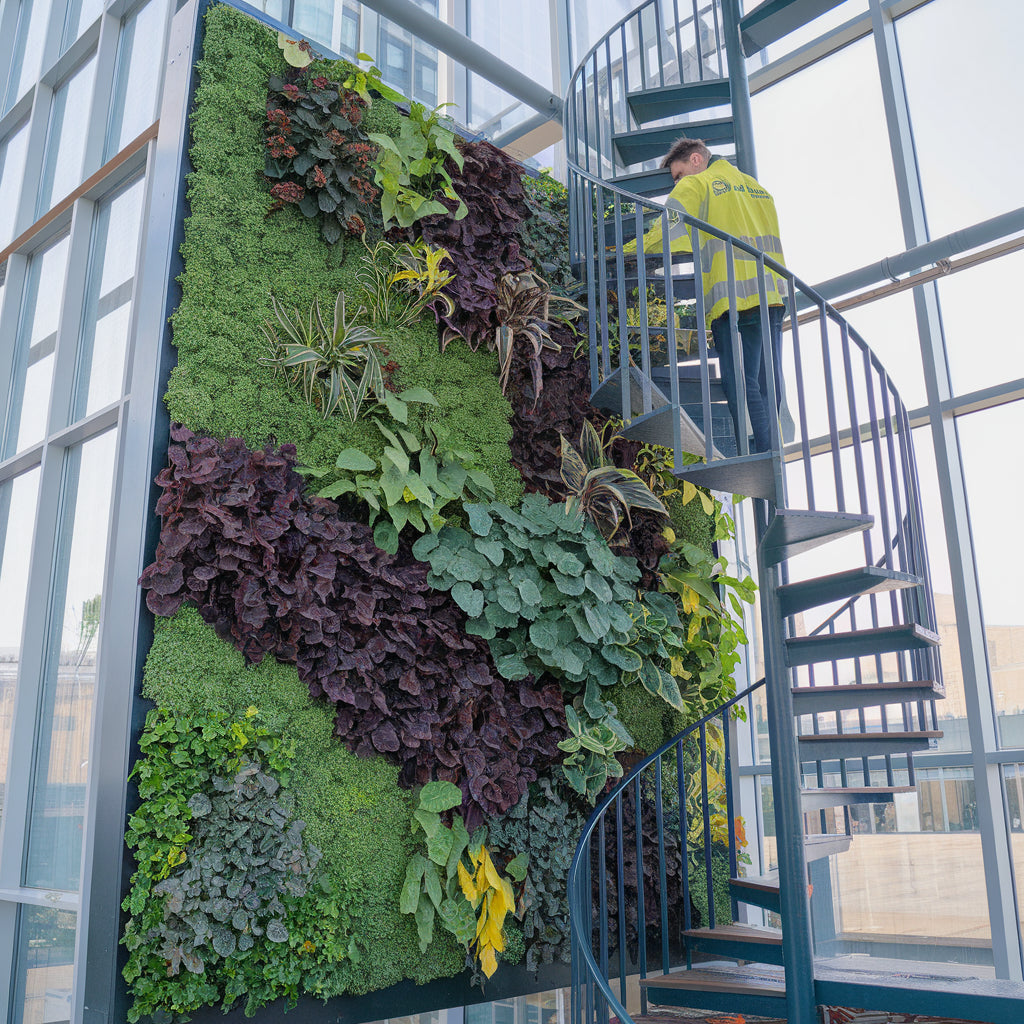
[
  {"x": 277, "y": 572},
  {"x": 562, "y": 407},
  {"x": 485, "y": 245}
]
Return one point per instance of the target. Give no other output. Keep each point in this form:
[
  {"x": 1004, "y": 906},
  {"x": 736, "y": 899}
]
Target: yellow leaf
[
  {"x": 689, "y": 492},
  {"x": 488, "y": 961},
  {"x": 707, "y": 502},
  {"x": 493, "y": 935},
  {"x": 466, "y": 881},
  {"x": 490, "y": 870},
  {"x": 298, "y": 58}
]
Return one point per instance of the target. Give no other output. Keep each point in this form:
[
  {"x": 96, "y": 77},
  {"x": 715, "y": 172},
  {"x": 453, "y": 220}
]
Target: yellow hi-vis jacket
[{"x": 735, "y": 203}]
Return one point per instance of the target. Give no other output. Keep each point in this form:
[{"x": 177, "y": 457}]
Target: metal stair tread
[
  {"x": 651, "y": 143},
  {"x": 838, "y": 586},
  {"x": 659, "y": 102},
  {"x": 809, "y": 700},
  {"x": 868, "y": 737},
  {"x": 744, "y": 932},
  {"x": 721, "y": 979},
  {"x": 858, "y": 643},
  {"x": 644, "y": 183},
  {"x": 771, "y": 20},
  {"x": 794, "y": 531},
  {"x": 846, "y": 796},
  {"x": 753, "y": 476}
]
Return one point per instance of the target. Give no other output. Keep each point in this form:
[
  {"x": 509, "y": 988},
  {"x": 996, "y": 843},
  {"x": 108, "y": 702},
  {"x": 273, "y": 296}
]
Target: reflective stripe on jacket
[{"x": 735, "y": 203}]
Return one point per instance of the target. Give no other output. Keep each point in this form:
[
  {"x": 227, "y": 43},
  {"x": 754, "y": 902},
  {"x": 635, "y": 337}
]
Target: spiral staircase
[{"x": 851, "y": 667}]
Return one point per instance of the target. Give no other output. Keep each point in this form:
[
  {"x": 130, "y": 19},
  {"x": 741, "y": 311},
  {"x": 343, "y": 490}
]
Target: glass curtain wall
[{"x": 79, "y": 87}]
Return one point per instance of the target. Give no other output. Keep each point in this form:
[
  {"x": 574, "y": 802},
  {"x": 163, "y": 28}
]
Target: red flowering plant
[{"x": 317, "y": 157}]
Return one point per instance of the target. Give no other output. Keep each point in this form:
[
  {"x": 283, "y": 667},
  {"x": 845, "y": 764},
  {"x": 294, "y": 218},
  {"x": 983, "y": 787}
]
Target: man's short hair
[{"x": 682, "y": 150}]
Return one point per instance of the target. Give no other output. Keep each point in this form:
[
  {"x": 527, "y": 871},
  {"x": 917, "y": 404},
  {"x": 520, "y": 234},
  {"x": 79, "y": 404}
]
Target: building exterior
[{"x": 898, "y": 112}]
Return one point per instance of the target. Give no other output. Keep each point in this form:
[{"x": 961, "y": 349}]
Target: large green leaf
[
  {"x": 658, "y": 682},
  {"x": 355, "y": 460},
  {"x": 440, "y": 796},
  {"x": 469, "y": 600}
]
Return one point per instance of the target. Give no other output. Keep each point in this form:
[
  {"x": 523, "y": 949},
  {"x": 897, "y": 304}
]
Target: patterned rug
[{"x": 829, "y": 1015}]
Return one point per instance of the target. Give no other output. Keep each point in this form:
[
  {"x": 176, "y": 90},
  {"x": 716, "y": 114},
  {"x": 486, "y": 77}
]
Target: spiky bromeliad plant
[
  {"x": 600, "y": 490},
  {"x": 338, "y": 365},
  {"x": 525, "y": 310},
  {"x": 402, "y": 279}
]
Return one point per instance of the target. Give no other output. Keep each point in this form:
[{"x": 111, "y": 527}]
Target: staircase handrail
[{"x": 578, "y": 899}]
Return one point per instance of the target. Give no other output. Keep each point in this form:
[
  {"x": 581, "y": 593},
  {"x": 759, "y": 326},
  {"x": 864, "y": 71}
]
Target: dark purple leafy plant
[
  {"x": 277, "y": 572},
  {"x": 485, "y": 244}
]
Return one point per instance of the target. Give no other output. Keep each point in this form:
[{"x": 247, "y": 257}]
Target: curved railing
[
  {"x": 681, "y": 818},
  {"x": 660, "y": 43}
]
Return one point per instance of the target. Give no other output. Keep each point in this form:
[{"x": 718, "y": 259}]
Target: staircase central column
[
  {"x": 797, "y": 944},
  {"x": 739, "y": 86}
]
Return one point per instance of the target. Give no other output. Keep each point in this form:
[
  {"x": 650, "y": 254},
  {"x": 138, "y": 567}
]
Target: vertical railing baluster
[
  {"x": 645, "y": 327},
  {"x": 625, "y": 375},
  {"x": 833, "y": 426},
  {"x": 702, "y": 333},
  {"x": 620, "y": 870},
  {"x": 602, "y": 274},
  {"x": 697, "y": 41},
  {"x": 670, "y": 331},
  {"x": 706, "y": 810},
  {"x": 641, "y": 913},
  {"x": 684, "y": 846},
  {"x": 739, "y": 377},
  {"x": 659, "y": 812},
  {"x": 730, "y": 809},
  {"x": 805, "y": 440},
  {"x": 602, "y": 893},
  {"x": 679, "y": 41}
]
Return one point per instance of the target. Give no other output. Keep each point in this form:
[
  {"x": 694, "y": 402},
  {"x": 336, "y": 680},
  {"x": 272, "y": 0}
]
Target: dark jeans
[{"x": 758, "y": 405}]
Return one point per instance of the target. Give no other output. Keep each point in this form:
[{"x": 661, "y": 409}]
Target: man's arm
[{"x": 687, "y": 194}]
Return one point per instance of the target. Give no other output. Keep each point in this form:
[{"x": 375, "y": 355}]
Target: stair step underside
[
  {"x": 675, "y": 100},
  {"x": 652, "y": 143},
  {"x": 753, "y": 476},
  {"x": 828, "y": 746},
  {"x": 642, "y": 390},
  {"x": 813, "y": 700},
  {"x": 739, "y": 942},
  {"x": 840, "y": 586},
  {"x": 724, "y": 987},
  {"x": 818, "y": 847},
  {"x": 657, "y": 428},
  {"x": 773, "y": 19},
  {"x": 807, "y": 650},
  {"x": 794, "y": 531},
  {"x": 757, "y": 890},
  {"x": 645, "y": 183},
  {"x": 821, "y": 799}
]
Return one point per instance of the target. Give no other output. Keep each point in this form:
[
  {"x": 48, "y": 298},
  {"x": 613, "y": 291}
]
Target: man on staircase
[{"x": 711, "y": 189}]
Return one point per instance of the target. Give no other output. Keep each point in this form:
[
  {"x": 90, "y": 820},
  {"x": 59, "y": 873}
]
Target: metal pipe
[
  {"x": 739, "y": 87},
  {"x": 925, "y": 255},
  {"x": 471, "y": 55}
]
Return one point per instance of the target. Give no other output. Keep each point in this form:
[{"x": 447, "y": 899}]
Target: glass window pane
[
  {"x": 53, "y": 859},
  {"x": 998, "y": 558},
  {"x": 27, "y": 55},
  {"x": 45, "y": 972},
  {"x": 37, "y": 336},
  {"x": 65, "y": 141},
  {"x": 833, "y": 18},
  {"x": 12, "y": 167},
  {"x": 107, "y": 313},
  {"x": 18, "y": 500},
  {"x": 81, "y": 14},
  {"x": 863, "y": 222},
  {"x": 136, "y": 88},
  {"x": 934, "y": 39},
  {"x": 314, "y": 19}
]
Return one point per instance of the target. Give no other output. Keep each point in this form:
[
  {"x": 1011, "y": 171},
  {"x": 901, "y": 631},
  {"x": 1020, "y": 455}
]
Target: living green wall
[{"x": 238, "y": 251}]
